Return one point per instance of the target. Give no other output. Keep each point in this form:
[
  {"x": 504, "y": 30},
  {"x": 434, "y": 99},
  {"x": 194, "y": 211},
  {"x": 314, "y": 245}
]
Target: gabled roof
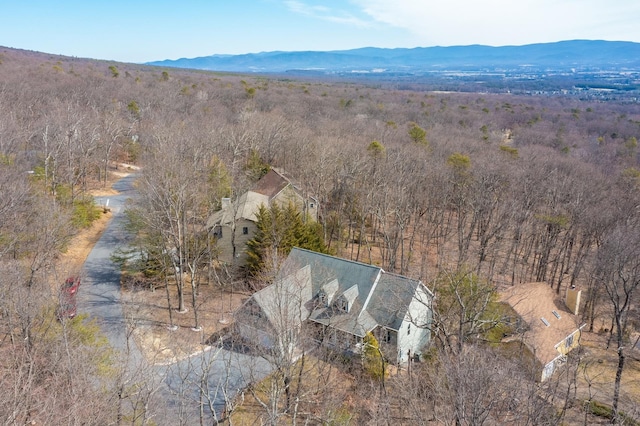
[
  {"x": 284, "y": 302},
  {"x": 272, "y": 183},
  {"x": 375, "y": 297},
  {"x": 247, "y": 205},
  {"x": 246, "y": 208},
  {"x": 330, "y": 290},
  {"x": 393, "y": 295},
  {"x": 536, "y": 303},
  {"x": 325, "y": 268}
]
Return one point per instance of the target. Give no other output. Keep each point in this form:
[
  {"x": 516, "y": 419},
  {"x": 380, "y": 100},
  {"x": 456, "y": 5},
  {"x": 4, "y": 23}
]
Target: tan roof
[
  {"x": 533, "y": 302},
  {"x": 248, "y": 203},
  {"x": 247, "y": 207}
]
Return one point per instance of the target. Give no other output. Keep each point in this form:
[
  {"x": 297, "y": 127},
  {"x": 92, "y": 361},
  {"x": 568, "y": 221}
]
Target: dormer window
[
  {"x": 342, "y": 304},
  {"x": 322, "y": 299}
]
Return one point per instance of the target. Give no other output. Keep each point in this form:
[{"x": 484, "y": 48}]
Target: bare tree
[{"x": 618, "y": 271}]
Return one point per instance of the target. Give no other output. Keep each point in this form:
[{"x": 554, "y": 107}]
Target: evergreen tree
[
  {"x": 279, "y": 229},
  {"x": 373, "y": 361}
]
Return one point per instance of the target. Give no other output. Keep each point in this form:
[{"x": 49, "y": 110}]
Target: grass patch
[
  {"x": 601, "y": 409},
  {"x": 85, "y": 212}
]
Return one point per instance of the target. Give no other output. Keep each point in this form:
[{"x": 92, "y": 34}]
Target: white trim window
[
  {"x": 568, "y": 342},
  {"x": 342, "y": 304},
  {"x": 322, "y": 298}
]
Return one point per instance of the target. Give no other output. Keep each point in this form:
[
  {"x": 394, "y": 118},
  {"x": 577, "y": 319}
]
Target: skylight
[{"x": 544, "y": 320}]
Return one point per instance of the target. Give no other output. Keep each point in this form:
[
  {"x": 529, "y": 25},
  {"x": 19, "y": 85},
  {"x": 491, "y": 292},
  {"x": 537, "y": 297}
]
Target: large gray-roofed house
[{"x": 338, "y": 302}]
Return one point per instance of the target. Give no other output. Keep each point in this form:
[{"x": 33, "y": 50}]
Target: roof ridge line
[{"x": 341, "y": 258}]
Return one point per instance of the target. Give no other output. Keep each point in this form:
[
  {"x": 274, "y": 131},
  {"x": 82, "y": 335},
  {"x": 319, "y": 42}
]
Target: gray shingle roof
[
  {"x": 389, "y": 303},
  {"x": 284, "y": 302},
  {"x": 325, "y": 268},
  {"x": 375, "y": 297}
]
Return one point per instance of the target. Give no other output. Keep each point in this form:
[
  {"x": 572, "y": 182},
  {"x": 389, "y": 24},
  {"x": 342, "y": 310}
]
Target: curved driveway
[
  {"x": 222, "y": 373},
  {"x": 99, "y": 293}
]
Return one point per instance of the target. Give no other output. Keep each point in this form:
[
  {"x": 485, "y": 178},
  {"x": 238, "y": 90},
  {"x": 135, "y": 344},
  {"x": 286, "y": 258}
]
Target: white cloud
[
  {"x": 500, "y": 22},
  {"x": 325, "y": 13}
]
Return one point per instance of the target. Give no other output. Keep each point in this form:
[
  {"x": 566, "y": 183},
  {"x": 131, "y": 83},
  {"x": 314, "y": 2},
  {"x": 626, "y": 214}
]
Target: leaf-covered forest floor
[{"x": 146, "y": 311}]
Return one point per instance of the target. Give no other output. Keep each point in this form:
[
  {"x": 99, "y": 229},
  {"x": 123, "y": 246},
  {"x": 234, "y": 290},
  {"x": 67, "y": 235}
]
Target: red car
[
  {"x": 67, "y": 307},
  {"x": 71, "y": 285}
]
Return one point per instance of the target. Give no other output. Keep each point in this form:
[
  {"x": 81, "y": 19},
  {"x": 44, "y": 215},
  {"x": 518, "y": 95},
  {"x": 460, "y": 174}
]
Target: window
[
  {"x": 245, "y": 230},
  {"x": 342, "y": 304},
  {"x": 408, "y": 328},
  {"x": 322, "y": 298},
  {"x": 217, "y": 232},
  {"x": 568, "y": 341},
  {"x": 310, "y": 205},
  {"x": 386, "y": 335}
]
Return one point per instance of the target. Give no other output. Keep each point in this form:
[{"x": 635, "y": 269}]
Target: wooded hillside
[{"x": 511, "y": 189}]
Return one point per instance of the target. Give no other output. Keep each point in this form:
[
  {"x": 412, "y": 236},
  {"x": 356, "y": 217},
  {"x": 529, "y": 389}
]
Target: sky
[{"x": 149, "y": 30}]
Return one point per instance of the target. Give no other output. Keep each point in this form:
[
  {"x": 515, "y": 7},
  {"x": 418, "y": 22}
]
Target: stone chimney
[{"x": 572, "y": 299}]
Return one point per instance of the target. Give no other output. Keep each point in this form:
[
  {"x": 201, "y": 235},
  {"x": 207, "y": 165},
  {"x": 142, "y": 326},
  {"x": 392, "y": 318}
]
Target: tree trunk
[{"x": 616, "y": 387}]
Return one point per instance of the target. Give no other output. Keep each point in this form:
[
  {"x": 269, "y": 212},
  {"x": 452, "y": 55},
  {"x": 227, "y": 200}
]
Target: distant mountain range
[{"x": 575, "y": 55}]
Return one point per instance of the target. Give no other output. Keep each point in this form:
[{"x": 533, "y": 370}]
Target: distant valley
[{"x": 591, "y": 69}]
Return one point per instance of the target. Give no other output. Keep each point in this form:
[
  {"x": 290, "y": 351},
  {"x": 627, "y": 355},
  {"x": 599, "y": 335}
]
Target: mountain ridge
[{"x": 570, "y": 55}]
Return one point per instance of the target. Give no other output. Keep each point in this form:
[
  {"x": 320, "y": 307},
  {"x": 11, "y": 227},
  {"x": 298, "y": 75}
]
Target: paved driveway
[
  {"x": 210, "y": 377},
  {"x": 99, "y": 293}
]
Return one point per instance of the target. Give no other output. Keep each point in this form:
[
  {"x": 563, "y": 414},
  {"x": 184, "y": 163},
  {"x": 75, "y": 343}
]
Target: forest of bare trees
[{"x": 511, "y": 189}]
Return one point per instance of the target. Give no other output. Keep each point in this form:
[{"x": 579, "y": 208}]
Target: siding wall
[
  {"x": 289, "y": 194},
  {"x": 415, "y": 333},
  {"x": 224, "y": 246},
  {"x": 569, "y": 343}
]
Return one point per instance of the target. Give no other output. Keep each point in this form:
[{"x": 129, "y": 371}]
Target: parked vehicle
[
  {"x": 71, "y": 285},
  {"x": 67, "y": 306}
]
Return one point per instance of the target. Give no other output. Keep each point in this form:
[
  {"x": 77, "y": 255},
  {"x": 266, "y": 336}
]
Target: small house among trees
[
  {"x": 552, "y": 330},
  {"x": 317, "y": 299},
  {"x": 236, "y": 222}
]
